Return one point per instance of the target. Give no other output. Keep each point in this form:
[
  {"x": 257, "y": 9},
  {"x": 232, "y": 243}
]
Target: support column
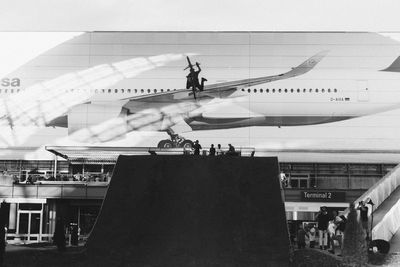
[
  {"x": 12, "y": 222},
  {"x": 55, "y": 166},
  {"x": 294, "y": 215}
]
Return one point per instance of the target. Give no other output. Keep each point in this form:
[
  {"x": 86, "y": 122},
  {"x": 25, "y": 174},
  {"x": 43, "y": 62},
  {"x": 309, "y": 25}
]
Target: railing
[
  {"x": 239, "y": 151},
  {"x": 56, "y": 189},
  {"x": 29, "y": 238},
  {"x": 378, "y": 193}
]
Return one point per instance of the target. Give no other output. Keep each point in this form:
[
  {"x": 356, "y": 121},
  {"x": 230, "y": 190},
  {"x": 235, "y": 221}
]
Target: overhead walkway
[{"x": 385, "y": 194}]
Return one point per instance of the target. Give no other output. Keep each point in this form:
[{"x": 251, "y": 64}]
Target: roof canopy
[{"x": 106, "y": 155}]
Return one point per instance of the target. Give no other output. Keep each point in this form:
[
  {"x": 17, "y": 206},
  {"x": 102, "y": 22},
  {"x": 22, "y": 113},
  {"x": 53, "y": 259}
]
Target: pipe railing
[
  {"x": 378, "y": 193},
  {"x": 92, "y": 190}
]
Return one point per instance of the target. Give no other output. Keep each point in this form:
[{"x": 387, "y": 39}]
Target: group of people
[
  {"x": 330, "y": 229},
  {"x": 214, "y": 151}
]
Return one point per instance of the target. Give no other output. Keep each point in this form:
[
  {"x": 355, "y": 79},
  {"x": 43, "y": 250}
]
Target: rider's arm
[{"x": 198, "y": 66}]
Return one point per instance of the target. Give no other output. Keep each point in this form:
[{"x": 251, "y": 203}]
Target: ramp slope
[{"x": 191, "y": 211}]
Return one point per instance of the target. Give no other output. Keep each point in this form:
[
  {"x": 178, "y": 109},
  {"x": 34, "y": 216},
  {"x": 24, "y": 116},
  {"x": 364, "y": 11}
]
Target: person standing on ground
[
  {"x": 323, "y": 220},
  {"x": 311, "y": 236},
  {"x": 196, "y": 148},
  {"x": 332, "y": 235},
  {"x": 212, "y": 150},
  {"x": 301, "y": 238},
  {"x": 364, "y": 216}
]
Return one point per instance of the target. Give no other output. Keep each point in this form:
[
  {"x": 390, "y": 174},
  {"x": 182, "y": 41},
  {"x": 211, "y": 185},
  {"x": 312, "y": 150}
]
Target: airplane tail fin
[{"x": 394, "y": 67}]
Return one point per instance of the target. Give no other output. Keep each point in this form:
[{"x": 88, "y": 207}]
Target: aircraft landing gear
[{"x": 176, "y": 141}]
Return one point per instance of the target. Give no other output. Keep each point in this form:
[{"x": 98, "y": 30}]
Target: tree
[{"x": 355, "y": 249}]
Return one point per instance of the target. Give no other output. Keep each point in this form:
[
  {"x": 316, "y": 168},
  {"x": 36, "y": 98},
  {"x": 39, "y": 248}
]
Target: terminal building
[
  {"x": 74, "y": 184},
  {"x": 325, "y": 104}
]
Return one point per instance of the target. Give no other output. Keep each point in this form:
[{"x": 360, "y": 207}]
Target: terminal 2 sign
[{"x": 323, "y": 196}]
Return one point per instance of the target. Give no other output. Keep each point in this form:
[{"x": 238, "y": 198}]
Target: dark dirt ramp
[{"x": 191, "y": 211}]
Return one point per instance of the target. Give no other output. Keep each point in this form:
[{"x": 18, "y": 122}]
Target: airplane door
[{"x": 362, "y": 91}]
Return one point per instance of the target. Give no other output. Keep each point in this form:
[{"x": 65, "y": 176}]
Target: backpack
[{"x": 342, "y": 224}]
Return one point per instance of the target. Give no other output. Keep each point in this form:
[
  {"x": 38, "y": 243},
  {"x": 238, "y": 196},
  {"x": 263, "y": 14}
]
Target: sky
[{"x": 206, "y": 15}]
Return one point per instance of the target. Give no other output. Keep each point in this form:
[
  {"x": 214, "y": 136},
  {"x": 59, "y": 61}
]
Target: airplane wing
[{"x": 222, "y": 90}]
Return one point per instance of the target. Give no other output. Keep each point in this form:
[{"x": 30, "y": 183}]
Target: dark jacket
[{"x": 323, "y": 220}]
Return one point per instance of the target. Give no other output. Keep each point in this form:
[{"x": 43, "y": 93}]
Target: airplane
[
  {"x": 278, "y": 100},
  {"x": 225, "y": 90}
]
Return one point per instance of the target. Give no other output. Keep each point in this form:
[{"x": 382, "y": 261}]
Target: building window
[
  {"x": 116, "y": 90},
  {"x": 142, "y": 90},
  {"x": 323, "y": 90},
  {"x": 248, "y": 90},
  {"x": 280, "y": 90},
  {"x": 298, "y": 90},
  {"x": 267, "y": 90},
  {"x": 304, "y": 90},
  {"x": 316, "y": 90},
  {"x": 109, "y": 90},
  {"x": 329, "y": 90},
  {"x": 155, "y": 90},
  {"x": 261, "y": 90},
  {"x": 285, "y": 90},
  {"x": 291, "y": 90},
  {"x": 255, "y": 90},
  {"x": 273, "y": 90},
  {"x": 299, "y": 180},
  {"x": 335, "y": 90}
]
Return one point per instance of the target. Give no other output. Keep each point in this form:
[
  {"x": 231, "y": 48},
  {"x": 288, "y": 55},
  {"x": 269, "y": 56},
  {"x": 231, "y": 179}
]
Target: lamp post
[{"x": 370, "y": 202}]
